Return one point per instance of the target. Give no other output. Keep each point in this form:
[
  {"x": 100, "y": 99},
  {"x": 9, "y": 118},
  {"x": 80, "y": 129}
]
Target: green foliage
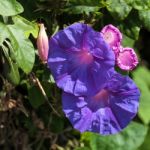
[
  {"x": 141, "y": 5},
  {"x": 144, "y": 16},
  {"x": 128, "y": 137},
  {"x": 119, "y": 9},
  {"x": 86, "y": 6},
  {"x": 36, "y": 98},
  {"x": 10, "y": 8},
  {"x": 146, "y": 144},
  {"x": 142, "y": 78},
  {"x": 10, "y": 69},
  {"x": 26, "y": 26}
]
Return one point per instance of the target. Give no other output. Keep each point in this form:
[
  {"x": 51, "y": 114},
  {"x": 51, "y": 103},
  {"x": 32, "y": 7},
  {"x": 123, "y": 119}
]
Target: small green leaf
[
  {"x": 10, "y": 8},
  {"x": 10, "y": 70},
  {"x": 119, "y": 9},
  {"x": 22, "y": 47},
  {"x": 36, "y": 97},
  {"x": 131, "y": 138},
  {"x": 26, "y": 26}
]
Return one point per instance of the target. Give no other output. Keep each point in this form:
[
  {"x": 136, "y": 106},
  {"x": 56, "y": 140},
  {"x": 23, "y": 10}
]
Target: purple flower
[
  {"x": 107, "y": 112},
  {"x": 78, "y": 58}
]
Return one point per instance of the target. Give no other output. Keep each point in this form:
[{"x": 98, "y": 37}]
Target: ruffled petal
[
  {"x": 77, "y": 112},
  {"x": 107, "y": 112},
  {"x": 127, "y": 59},
  {"x": 112, "y": 35},
  {"x": 74, "y": 53}
]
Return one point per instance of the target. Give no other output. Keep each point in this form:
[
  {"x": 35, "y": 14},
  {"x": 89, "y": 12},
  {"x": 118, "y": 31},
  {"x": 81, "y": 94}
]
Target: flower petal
[
  {"x": 109, "y": 111},
  {"x": 112, "y": 35},
  {"x": 127, "y": 59},
  {"x": 78, "y": 57}
]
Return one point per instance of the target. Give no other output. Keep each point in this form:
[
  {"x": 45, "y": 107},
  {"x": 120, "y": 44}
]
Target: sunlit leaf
[
  {"x": 10, "y": 8},
  {"x": 131, "y": 138},
  {"x": 141, "y": 77},
  {"x": 26, "y": 26},
  {"x": 146, "y": 144},
  {"x": 119, "y": 9},
  {"x": 22, "y": 47}
]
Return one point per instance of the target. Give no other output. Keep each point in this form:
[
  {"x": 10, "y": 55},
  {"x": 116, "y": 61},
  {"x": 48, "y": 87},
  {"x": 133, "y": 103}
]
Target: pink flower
[
  {"x": 112, "y": 35},
  {"x": 126, "y": 58},
  {"x": 42, "y": 43}
]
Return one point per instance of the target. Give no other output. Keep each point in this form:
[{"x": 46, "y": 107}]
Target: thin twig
[{"x": 36, "y": 80}]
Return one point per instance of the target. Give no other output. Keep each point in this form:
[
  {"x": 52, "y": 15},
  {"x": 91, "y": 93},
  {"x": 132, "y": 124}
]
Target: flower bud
[{"x": 42, "y": 43}]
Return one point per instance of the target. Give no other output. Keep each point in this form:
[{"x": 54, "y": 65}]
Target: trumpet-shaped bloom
[
  {"x": 78, "y": 58},
  {"x": 108, "y": 111}
]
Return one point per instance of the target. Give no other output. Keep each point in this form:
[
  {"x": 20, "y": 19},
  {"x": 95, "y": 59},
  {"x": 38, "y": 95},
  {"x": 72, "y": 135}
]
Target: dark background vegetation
[{"x": 31, "y": 119}]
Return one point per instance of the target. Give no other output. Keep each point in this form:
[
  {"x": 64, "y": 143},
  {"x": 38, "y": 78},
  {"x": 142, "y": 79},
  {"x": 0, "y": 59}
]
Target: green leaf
[
  {"x": 10, "y": 70},
  {"x": 131, "y": 26},
  {"x": 146, "y": 144},
  {"x": 127, "y": 41},
  {"x": 36, "y": 97},
  {"x": 142, "y": 73},
  {"x": 131, "y": 138},
  {"x": 141, "y": 4},
  {"x": 130, "y": 30},
  {"x": 141, "y": 77},
  {"x": 119, "y": 9},
  {"x": 81, "y": 9},
  {"x": 26, "y": 26},
  {"x": 144, "y": 16},
  {"x": 86, "y": 6},
  {"x": 23, "y": 48},
  {"x": 10, "y": 8}
]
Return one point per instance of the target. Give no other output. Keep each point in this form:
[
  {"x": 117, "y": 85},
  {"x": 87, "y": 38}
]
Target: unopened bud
[{"x": 42, "y": 43}]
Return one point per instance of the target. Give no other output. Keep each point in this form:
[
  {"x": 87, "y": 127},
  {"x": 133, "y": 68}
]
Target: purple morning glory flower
[
  {"x": 78, "y": 58},
  {"x": 107, "y": 112}
]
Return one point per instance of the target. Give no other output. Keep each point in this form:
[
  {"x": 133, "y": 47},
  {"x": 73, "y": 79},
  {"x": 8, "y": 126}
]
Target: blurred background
[{"x": 30, "y": 120}]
